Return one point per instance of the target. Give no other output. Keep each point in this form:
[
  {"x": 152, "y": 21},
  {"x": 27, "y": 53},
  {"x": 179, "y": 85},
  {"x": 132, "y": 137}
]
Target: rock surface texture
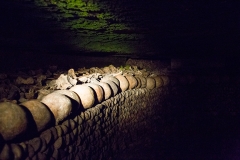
[{"x": 125, "y": 27}]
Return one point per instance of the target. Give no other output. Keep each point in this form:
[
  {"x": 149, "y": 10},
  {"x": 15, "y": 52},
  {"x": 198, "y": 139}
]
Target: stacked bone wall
[{"x": 98, "y": 132}]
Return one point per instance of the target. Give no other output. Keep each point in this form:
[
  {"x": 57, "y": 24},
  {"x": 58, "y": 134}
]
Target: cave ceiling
[{"x": 120, "y": 27}]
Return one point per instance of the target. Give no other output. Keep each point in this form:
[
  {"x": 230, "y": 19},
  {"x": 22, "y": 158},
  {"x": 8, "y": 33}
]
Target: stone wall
[
  {"x": 97, "y": 133},
  {"x": 194, "y": 113}
]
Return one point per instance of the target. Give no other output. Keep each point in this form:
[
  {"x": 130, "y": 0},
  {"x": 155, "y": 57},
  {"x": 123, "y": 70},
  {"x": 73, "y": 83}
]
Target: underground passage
[{"x": 119, "y": 80}]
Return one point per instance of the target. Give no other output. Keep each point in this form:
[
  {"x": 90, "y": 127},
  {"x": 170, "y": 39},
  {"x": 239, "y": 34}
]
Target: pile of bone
[{"x": 70, "y": 94}]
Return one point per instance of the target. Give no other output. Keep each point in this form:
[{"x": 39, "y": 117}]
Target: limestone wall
[{"x": 98, "y": 132}]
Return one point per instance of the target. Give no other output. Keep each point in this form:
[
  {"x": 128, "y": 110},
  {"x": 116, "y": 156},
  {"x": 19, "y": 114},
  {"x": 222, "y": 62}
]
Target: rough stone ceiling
[{"x": 148, "y": 28}]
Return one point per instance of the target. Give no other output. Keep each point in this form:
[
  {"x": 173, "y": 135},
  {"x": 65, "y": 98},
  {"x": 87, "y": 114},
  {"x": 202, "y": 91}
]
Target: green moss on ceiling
[
  {"x": 124, "y": 26},
  {"x": 95, "y": 27}
]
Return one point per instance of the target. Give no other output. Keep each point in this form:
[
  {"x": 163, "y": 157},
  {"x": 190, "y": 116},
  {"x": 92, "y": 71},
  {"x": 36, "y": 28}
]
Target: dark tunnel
[{"x": 195, "y": 44}]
